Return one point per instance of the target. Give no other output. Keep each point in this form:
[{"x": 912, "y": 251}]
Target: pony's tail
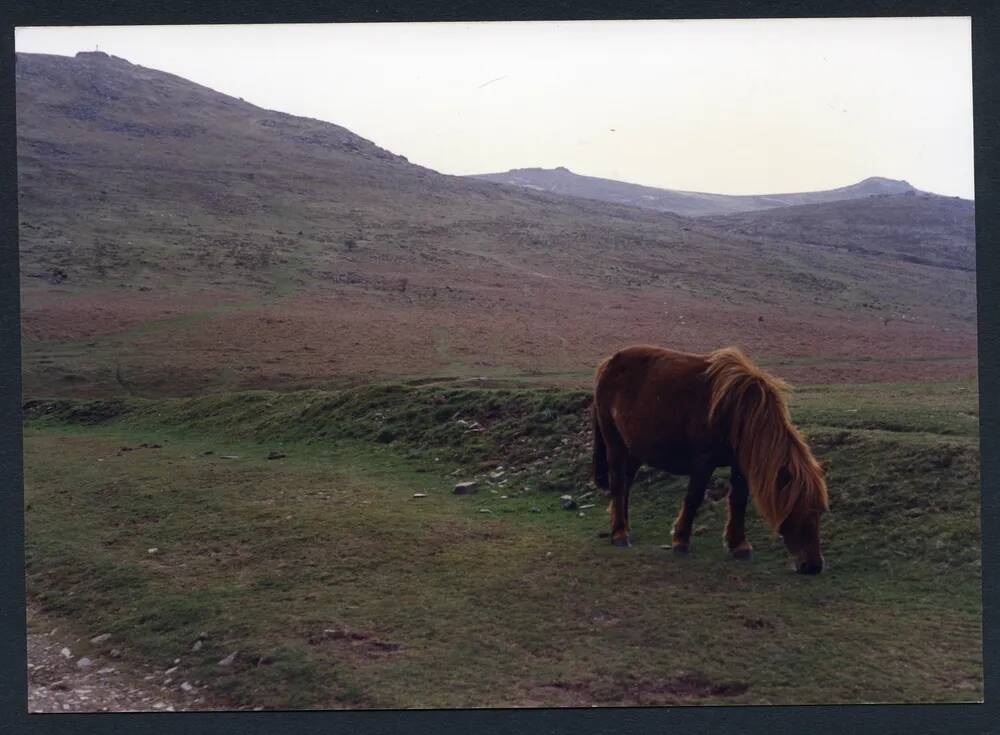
[{"x": 600, "y": 452}]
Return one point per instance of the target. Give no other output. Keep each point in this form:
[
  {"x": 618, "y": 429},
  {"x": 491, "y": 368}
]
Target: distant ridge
[{"x": 561, "y": 180}]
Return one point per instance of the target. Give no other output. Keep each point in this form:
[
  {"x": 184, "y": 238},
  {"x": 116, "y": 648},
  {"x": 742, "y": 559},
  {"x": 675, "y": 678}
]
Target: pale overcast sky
[{"x": 733, "y": 106}]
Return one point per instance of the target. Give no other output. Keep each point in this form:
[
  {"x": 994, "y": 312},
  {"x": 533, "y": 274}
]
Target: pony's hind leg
[
  {"x": 736, "y": 508},
  {"x": 701, "y": 472},
  {"x": 621, "y": 473}
]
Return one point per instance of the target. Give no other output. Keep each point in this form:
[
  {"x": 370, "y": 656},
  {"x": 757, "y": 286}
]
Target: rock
[
  {"x": 700, "y": 530},
  {"x": 171, "y": 670},
  {"x": 186, "y": 686},
  {"x": 466, "y": 488},
  {"x": 717, "y": 489},
  {"x": 66, "y": 653},
  {"x": 197, "y": 646},
  {"x": 116, "y": 653},
  {"x": 497, "y": 475},
  {"x": 152, "y": 550},
  {"x": 420, "y": 495},
  {"x": 485, "y": 510},
  {"x": 98, "y": 639},
  {"x": 228, "y": 660},
  {"x": 84, "y": 663},
  {"x": 567, "y": 502},
  {"x": 588, "y": 505},
  {"x": 276, "y": 455},
  {"x": 106, "y": 670},
  {"x": 229, "y": 456},
  {"x": 536, "y": 509},
  {"x": 202, "y": 636}
]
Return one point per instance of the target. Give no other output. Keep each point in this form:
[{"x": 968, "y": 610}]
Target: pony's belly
[{"x": 673, "y": 458}]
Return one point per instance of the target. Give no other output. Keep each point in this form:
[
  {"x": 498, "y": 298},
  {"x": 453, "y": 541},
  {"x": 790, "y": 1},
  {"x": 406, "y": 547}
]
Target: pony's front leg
[
  {"x": 701, "y": 472},
  {"x": 736, "y": 508}
]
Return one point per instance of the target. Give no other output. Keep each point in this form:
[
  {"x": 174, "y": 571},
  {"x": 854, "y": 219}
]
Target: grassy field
[{"x": 337, "y": 587}]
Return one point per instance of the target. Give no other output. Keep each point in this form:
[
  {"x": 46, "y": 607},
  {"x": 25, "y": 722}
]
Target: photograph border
[{"x": 902, "y": 718}]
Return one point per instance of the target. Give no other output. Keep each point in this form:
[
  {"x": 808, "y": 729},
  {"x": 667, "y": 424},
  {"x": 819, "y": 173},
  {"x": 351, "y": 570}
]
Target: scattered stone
[
  {"x": 186, "y": 686},
  {"x": 420, "y": 495},
  {"x": 197, "y": 646},
  {"x": 84, "y": 663},
  {"x": 106, "y": 670},
  {"x": 229, "y": 456},
  {"x": 485, "y": 510},
  {"x": 98, "y": 639},
  {"x": 116, "y": 653},
  {"x": 567, "y": 502},
  {"x": 717, "y": 490},
  {"x": 202, "y": 636},
  {"x": 228, "y": 660},
  {"x": 66, "y": 653},
  {"x": 588, "y": 505},
  {"x": 496, "y": 475},
  {"x": 700, "y": 530},
  {"x": 466, "y": 488},
  {"x": 171, "y": 670},
  {"x": 536, "y": 509},
  {"x": 152, "y": 550},
  {"x": 276, "y": 455}
]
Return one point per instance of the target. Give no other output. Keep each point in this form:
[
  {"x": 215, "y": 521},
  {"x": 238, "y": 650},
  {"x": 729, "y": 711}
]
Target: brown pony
[{"x": 688, "y": 414}]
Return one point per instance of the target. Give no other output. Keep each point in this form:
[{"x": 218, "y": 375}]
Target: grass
[{"x": 338, "y": 588}]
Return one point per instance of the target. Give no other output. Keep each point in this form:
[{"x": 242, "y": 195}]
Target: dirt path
[{"x": 69, "y": 673}]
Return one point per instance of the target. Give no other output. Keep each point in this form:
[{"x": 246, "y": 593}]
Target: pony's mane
[{"x": 761, "y": 432}]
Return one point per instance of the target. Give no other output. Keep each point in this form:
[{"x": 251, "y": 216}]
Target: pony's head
[
  {"x": 799, "y": 529},
  {"x": 787, "y": 482}
]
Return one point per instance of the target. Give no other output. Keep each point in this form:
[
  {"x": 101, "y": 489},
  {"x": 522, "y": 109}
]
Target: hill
[
  {"x": 561, "y": 180},
  {"x": 915, "y": 227},
  {"x": 176, "y": 240}
]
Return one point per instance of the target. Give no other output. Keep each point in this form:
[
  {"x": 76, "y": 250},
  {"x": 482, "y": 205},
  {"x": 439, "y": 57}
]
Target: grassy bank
[{"x": 338, "y": 588}]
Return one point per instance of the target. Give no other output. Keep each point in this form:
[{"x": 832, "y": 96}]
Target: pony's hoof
[
  {"x": 743, "y": 553},
  {"x": 622, "y": 541},
  {"x": 681, "y": 549}
]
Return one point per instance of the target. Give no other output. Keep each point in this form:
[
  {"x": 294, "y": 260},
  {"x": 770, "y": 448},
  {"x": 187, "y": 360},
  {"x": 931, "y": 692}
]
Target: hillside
[
  {"x": 176, "y": 240},
  {"x": 918, "y": 228},
  {"x": 561, "y": 180}
]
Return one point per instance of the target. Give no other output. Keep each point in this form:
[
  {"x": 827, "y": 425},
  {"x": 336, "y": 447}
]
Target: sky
[{"x": 723, "y": 106}]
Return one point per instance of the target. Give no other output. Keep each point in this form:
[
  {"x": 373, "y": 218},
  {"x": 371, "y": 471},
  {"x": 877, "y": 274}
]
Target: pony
[{"x": 688, "y": 414}]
